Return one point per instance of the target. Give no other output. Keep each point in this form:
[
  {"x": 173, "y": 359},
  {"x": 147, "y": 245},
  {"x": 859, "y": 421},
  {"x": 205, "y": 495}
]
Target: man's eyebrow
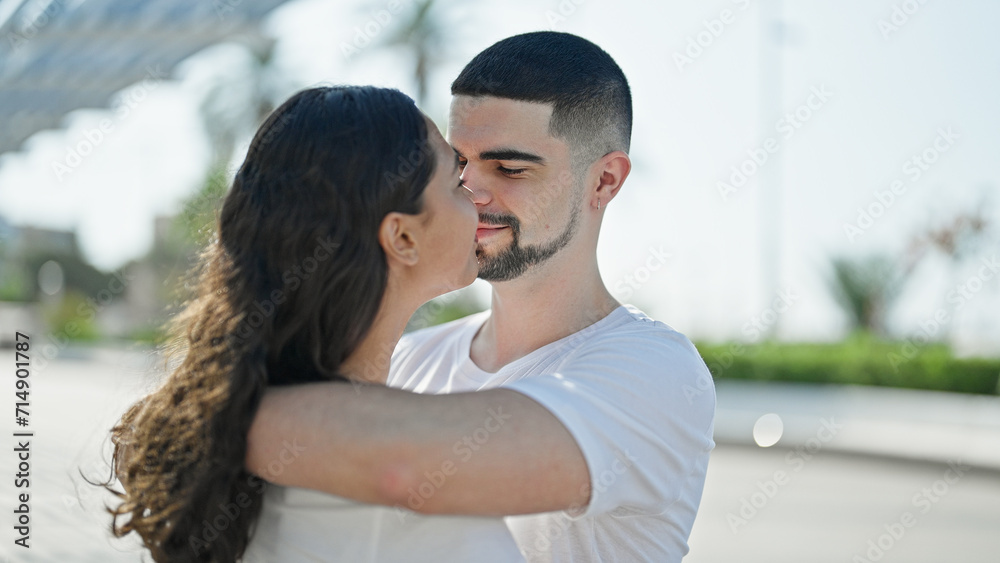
[{"x": 511, "y": 154}]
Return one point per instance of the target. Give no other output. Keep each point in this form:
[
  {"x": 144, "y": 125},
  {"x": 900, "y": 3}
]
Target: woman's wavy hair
[{"x": 286, "y": 291}]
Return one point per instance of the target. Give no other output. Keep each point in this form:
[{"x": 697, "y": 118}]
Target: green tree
[
  {"x": 865, "y": 289},
  {"x": 443, "y": 309},
  {"x": 237, "y": 103},
  {"x": 423, "y": 34}
]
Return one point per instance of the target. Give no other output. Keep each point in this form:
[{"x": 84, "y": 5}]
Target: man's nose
[{"x": 476, "y": 184}]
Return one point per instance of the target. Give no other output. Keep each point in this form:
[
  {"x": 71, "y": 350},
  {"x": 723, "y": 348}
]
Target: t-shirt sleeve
[
  {"x": 400, "y": 355},
  {"x": 641, "y": 407}
]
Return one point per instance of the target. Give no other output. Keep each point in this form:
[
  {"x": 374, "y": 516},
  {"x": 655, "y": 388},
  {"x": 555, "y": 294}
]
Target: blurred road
[
  {"x": 824, "y": 505},
  {"x": 830, "y": 506}
]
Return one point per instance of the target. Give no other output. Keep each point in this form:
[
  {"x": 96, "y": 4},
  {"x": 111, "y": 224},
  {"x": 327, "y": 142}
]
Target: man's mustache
[{"x": 498, "y": 219}]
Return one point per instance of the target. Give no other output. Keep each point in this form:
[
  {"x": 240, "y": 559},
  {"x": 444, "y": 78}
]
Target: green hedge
[{"x": 860, "y": 360}]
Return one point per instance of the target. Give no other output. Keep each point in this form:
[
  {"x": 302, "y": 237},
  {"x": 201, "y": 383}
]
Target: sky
[{"x": 763, "y": 146}]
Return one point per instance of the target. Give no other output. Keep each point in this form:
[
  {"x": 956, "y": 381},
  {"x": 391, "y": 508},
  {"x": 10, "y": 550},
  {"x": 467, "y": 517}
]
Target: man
[{"x": 593, "y": 418}]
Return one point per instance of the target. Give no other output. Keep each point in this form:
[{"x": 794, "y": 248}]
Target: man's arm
[{"x": 494, "y": 452}]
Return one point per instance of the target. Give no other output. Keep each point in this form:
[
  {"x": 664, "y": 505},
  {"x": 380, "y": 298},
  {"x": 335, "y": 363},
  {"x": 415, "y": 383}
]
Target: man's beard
[{"x": 514, "y": 260}]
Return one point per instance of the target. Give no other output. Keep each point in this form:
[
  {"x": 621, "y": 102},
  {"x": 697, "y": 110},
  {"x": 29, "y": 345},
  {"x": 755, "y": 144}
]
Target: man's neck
[{"x": 538, "y": 309}]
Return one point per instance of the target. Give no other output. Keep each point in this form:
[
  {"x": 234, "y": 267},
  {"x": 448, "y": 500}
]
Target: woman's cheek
[{"x": 473, "y": 214}]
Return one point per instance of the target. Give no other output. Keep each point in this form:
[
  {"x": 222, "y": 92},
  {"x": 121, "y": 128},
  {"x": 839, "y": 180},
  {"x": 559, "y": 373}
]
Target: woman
[{"x": 346, "y": 215}]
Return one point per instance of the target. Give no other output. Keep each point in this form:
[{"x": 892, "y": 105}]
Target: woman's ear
[{"x": 396, "y": 234}]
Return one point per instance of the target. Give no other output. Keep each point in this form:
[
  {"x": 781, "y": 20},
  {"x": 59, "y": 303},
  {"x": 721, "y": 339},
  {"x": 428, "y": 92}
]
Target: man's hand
[{"x": 494, "y": 452}]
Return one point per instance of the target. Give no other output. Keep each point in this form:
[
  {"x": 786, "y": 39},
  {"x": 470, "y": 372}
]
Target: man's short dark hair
[{"x": 592, "y": 104}]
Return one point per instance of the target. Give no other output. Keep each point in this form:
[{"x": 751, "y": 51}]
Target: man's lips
[{"x": 488, "y": 230}]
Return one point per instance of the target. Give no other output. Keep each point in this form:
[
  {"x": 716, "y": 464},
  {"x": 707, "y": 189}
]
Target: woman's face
[{"x": 448, "y": 249}]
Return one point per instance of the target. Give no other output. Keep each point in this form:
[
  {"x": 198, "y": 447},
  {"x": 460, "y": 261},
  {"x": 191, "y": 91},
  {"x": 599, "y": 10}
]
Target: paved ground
[
  {"x": 832, "y": 505},
  {"x": 74, "y": 402},
  {"x": 915, "y": 473},
  {"x": 827, "y": 506},
  {"x": 901, "y": 423}
]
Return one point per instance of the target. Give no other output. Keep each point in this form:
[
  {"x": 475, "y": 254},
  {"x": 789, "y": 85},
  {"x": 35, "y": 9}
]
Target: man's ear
[
  {"x": 396, "y": 235},
  {"x": 612, "y": 170}
]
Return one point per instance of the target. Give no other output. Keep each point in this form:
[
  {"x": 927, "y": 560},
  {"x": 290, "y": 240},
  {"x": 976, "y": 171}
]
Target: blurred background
[{"x": 813, "y": 201}]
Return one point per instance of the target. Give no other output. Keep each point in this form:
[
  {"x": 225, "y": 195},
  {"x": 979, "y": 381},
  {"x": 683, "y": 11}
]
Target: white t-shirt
[
  {"x": 305, "y": 526},
  {"x": 638, "y": 399}
]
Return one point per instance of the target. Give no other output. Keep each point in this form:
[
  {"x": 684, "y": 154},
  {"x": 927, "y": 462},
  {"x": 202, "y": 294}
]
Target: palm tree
[
  {"x": 865, "y": 288},
  {"x": 234, "y": 107},
  {"x": 424, "y": 36}
]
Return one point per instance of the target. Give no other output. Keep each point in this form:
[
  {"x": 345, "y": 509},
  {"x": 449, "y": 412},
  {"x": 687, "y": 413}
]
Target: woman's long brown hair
[{"x": 286, "y": 290}]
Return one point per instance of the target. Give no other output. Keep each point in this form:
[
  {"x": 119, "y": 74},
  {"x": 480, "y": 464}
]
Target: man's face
[{"x": 521, "y": 180}]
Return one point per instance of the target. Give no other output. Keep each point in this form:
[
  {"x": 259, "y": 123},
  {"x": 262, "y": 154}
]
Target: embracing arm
[{"x": 494, "y": 452}]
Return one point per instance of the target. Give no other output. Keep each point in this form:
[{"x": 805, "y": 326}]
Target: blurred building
[
  {"x": 122, "y": 303},
  {"x": 57, "y": 56}
]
